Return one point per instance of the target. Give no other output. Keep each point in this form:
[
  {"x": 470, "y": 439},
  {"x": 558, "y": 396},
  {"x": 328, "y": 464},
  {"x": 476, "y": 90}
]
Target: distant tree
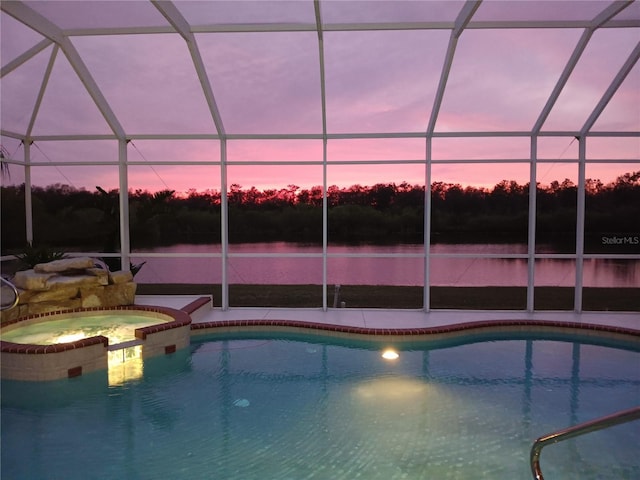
[
  {"x": 384, "y": 212},
  {"x": 235, "y": 195},
  {"x": 383, "y": 196}
]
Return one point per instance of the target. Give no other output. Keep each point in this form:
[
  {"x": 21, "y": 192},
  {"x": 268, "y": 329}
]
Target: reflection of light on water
[
  {"x": 399, "y": 416},
  {"x": 417, "y": 427},
  {"x": 396, "y": 401},
  {"x": 69, "y": 337},
  {"x": 395, "y": 389},
  {"x": 115, "y": 334},
  {"x": 125, "y": 364}
]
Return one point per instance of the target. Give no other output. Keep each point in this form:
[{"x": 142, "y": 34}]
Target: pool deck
[{"x": 383, "y": 318}]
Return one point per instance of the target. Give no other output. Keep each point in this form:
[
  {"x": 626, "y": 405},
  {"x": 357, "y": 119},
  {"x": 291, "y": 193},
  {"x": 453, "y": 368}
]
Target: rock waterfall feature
[{"x": 67, "y": 284}]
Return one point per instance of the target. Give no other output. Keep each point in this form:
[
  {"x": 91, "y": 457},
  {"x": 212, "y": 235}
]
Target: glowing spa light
[{"x": 390, "y": 354}]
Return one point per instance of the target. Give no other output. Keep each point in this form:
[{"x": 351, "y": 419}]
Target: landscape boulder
[
  {"x": 65, "y": 265},
  {"x": 67, "y": 284}
]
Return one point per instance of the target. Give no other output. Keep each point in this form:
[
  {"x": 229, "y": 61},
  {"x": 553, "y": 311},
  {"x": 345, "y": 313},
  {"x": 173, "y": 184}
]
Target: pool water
[
  {"x": 291, "y": 407},
  {"x": 117, "y": 328}
]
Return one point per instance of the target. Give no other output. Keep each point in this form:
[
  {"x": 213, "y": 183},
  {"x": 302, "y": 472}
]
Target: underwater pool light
[{"x": 390, "y": 354}]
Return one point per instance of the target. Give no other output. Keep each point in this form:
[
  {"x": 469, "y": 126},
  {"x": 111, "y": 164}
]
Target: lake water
[{"x": 202, "y": 264}]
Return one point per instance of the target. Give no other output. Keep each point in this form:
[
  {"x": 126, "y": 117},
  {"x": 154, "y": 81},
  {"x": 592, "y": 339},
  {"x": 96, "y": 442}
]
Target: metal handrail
[
  {"x": 577, "y": 430},
  {"x": 15, "y": 293}
]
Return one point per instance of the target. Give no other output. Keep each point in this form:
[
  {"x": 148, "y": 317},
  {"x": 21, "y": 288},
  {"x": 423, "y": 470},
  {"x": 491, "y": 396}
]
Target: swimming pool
[{"x": 283, "y": 406}]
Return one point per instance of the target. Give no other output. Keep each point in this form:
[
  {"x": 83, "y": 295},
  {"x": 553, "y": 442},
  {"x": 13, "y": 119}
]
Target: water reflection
[{"x": 404, "y": 270}]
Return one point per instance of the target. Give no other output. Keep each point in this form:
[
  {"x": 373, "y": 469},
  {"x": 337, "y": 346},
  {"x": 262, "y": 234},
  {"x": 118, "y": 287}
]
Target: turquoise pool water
[{"x": 291, "y": 407}]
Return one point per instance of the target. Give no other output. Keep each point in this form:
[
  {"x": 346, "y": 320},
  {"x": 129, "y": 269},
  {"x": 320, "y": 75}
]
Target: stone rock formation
[{"x": 70, "y": 283}]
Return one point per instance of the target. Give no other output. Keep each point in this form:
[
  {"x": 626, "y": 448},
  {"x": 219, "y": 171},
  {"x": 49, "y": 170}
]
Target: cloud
[
  {"x": 382, "y": 81},
  {"x": 602, "y": 59},
  {"x": 265, "y": 82},
  {"x": 500, "y": 79},
  {"x": 149, "y": 81},
  {"x": 376, "y": 81}
]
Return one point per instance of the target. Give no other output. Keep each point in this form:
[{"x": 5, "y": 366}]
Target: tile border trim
[{"x": 206, "y": 327}]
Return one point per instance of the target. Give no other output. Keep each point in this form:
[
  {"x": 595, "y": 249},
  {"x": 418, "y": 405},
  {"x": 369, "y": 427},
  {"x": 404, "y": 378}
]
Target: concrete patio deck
[{"x": 383, "y": 318}]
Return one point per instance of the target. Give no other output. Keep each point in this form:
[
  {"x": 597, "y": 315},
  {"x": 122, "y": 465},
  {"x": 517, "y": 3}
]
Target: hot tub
[{"x": 67, "y": 344}]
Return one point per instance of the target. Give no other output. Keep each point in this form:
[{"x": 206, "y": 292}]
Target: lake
[{"x": 368, "y": 265}]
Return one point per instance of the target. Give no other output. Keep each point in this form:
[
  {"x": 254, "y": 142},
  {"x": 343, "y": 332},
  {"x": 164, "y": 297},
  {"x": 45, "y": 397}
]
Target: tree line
[{"x": 69, "y": 217}]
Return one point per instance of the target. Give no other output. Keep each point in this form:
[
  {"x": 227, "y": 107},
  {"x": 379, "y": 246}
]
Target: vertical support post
[
  {"x": 580, "y": 213},
  {"x": 224, "y": 224},
  {"x": 28, "y": 203},
  {"x": 325, "y": 224},
  {"x": 531, "y": 233},
  {"x": 125, "y": 244},
  {"x": 426, "y": 291},
  {"x": 323, "y": 104}
]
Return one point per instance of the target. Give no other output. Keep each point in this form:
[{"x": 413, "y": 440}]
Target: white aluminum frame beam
[
  {"x": 92, "y": 88},
  {"x": 43, "y": 26},
  {"x": 175, "y": 18},
  {"x": 531, "y": 229},
  {"x": 317, "y": 136},
  {"x": 123, "y": 199},
  {"x": 343, "y": 27},
  {"x": 562, "y": 81},
  {"x": 224, "y": 225},
  {"x": 29, "y": 54},
  {"x": 463, "y": 19},
  {"x": 323, "y": 96},
  {"x": 580, "y": 217},
  {"x": 611, "y": 90},
  {"x": 426, "y": 289},
  {"x": 33, "y": 20},
  {"x": 43, "y": 88},
  {"x": 601, "y": 19},
  {"x": 28, "y": 202},
  {"x": 609, "y": 12},
  {"x": 323, "y": 107},
  {"x": 7, "y": 133}
]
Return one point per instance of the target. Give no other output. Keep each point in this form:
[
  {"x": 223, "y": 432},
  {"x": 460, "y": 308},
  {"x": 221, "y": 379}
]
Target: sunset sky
[{"x": 376, "y": 81}]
